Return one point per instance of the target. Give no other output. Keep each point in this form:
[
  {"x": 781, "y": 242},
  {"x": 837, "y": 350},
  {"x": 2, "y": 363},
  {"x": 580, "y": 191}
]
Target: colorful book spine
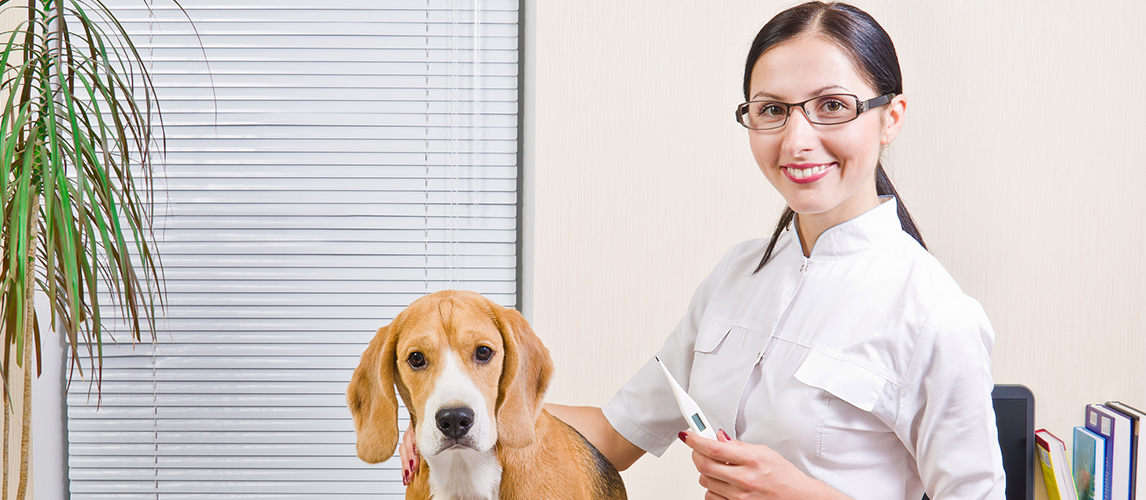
[
  {"x": 1115, "y": 427},
  {"x": 1089, "y": 460},
  {"x": 1049, "y": 476},
  {"x": 1137, "y": 453},
  {"x": 1056, "y": 469}
]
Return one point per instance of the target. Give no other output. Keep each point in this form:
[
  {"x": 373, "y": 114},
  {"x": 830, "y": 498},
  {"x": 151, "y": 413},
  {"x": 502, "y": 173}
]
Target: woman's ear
[{"x": 893, "y": 116}]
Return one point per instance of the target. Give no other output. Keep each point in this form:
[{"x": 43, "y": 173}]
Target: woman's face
[{"x": 823, "y": 171}]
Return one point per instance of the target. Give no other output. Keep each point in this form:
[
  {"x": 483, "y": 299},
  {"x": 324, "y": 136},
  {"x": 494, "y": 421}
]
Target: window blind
[{"x": 327, "y": 164}]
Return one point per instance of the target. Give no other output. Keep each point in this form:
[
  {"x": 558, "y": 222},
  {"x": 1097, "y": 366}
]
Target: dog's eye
[
  {"x": 416, "y": 360},
  {"x": 483, "y": 353}
]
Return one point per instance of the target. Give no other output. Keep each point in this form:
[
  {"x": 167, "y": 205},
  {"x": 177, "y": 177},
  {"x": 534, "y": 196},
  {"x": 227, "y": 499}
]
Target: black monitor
[{"x": 1015, "y": 418}]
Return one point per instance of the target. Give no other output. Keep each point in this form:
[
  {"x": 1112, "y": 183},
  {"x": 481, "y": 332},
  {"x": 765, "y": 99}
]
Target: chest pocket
[
  {"x": 710, "y": 335},
  {"x": 851, "y": 421},
  {"x": 723, "y": 358},
  {"x": 846, "y": 381}
]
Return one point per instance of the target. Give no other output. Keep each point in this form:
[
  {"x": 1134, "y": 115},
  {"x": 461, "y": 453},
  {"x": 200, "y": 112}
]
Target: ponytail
[
  {"x": 883, "y": 187},
  {"x": 785, "y": 219}
]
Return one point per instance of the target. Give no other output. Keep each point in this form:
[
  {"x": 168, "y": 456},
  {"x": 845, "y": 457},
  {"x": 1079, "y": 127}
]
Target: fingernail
[
  {"x": 411, "y": 464},
  {"x": 405, "y": 478},
  {"x": 725, "y": 434},
  {"x": 683, "y": 436}
]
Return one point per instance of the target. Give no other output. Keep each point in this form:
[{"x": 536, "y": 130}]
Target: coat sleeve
[
  {"x": 644, "y": 410},
  {"x": 946, "y": 415}
]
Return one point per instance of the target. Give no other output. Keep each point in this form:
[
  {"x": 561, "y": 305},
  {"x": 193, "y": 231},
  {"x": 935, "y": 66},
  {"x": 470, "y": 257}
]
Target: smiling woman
[
  {"x": 1013, "y": 196},
  {"x": 839, "y": 359}
]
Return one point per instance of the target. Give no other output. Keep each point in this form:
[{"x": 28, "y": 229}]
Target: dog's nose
[{"x": 455, "y": 422}]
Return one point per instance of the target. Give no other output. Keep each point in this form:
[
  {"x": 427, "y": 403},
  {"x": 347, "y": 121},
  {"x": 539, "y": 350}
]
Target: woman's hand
[
  {"x": 408, "y": 450},
  {"x": 735, "y": 470}
]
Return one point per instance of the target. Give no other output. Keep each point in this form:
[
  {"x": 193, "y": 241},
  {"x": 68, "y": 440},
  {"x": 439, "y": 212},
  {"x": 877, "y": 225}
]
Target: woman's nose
[{"x": 799, "y": 134}]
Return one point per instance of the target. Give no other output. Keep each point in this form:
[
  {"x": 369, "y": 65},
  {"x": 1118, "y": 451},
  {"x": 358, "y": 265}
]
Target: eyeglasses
[{"x": 832, "y": 109}]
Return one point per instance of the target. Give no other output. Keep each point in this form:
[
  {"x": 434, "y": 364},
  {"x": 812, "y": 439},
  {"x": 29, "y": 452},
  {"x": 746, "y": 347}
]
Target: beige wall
[{"x": 1021, "y": 161}]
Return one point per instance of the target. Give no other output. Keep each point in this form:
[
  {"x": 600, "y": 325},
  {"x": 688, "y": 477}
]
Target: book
[
  {"x": 1089, "y": 464},
  {"x": 1137, "y": 452},
  {"x": 1115, "y": 427},
  {"x": 1056, "y": 469}
]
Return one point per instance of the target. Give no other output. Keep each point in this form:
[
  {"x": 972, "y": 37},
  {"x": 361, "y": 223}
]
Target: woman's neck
[{"x": 811, "y": 226}]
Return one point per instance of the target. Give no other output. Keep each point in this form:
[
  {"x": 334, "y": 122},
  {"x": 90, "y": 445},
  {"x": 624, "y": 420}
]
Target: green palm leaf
[{"x": 78, "y": 153}]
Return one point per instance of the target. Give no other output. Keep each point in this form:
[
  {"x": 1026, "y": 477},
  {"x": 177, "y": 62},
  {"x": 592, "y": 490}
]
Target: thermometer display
[{"x": 692, "y": 415}]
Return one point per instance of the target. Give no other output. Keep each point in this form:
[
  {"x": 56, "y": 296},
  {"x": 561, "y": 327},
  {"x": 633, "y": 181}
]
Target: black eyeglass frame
[{"x": 861, "y": 107}]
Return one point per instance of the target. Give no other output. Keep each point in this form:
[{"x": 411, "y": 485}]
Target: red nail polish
[
  {"x": 411, "y": 464},
  {"x": 725, "y": 435},
  {"x": 683, "y": 437}
]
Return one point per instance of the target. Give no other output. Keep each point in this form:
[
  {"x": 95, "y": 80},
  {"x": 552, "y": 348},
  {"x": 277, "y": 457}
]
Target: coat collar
[{"x": 856, "y": 235}]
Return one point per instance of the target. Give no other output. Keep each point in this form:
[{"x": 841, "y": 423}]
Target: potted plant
[{"x": 78, "y": 149}]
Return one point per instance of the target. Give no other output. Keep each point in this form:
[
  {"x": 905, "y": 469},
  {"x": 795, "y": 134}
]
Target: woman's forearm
[{"x": 590, "y": 421}]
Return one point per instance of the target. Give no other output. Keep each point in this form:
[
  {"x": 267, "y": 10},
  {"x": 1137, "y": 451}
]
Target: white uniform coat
[{"x": 864, "y": 365}]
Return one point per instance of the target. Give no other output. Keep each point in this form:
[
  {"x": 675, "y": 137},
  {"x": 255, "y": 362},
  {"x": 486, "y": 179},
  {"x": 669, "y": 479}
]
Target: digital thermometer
[{"x": 692, "y": 415}]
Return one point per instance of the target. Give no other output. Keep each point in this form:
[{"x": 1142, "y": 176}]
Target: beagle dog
[{"x": 472, "y": 375}]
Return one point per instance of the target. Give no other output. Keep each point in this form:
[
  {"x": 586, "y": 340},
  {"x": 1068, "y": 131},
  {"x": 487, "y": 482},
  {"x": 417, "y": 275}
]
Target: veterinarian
[{"x": 838, "y": 358}]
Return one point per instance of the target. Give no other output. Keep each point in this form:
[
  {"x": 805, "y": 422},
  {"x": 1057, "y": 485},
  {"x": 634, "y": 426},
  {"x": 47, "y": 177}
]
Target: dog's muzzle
[{"x": 454, "y": 423}]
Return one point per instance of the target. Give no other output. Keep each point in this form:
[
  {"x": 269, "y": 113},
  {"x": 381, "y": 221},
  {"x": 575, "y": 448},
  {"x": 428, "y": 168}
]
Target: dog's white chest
[{"x": 464, "y": 474}]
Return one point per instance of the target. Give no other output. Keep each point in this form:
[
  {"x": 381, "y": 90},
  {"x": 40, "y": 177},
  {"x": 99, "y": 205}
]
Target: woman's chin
[{"x": 808, "y": 207}]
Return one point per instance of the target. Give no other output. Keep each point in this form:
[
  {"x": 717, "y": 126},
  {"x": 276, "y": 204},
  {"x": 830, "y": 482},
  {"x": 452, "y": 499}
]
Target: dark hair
[{"x": 870, "y": 49}]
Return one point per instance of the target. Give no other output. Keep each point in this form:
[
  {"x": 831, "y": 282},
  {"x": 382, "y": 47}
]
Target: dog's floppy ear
[
  {"x": 524, "y": 377},
  {"x": 370, "y": 397}
]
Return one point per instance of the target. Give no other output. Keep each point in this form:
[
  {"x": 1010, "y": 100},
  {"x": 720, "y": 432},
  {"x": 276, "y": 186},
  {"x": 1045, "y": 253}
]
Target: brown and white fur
[{"x": 472, "y": 375}]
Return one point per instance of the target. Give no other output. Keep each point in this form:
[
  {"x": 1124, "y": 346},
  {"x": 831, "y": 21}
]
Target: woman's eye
[
  {"x": 416, "y": 360},
  {"x": 771, "y": 110},
  {"x": 483, "y": 353},
  {"x": 833, "y": 107}
]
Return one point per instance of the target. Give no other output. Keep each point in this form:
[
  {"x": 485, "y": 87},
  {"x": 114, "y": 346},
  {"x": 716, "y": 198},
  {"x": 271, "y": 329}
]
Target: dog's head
[{"x": 470, "y": 372}]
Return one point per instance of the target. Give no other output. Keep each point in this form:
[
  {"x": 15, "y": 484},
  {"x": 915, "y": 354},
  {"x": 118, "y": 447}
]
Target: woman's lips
[{"x": 806, "y": 173}]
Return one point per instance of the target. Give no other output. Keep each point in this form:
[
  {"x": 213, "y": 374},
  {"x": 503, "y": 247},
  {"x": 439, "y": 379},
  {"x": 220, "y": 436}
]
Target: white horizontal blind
[{"x": 353, "y": 156}]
